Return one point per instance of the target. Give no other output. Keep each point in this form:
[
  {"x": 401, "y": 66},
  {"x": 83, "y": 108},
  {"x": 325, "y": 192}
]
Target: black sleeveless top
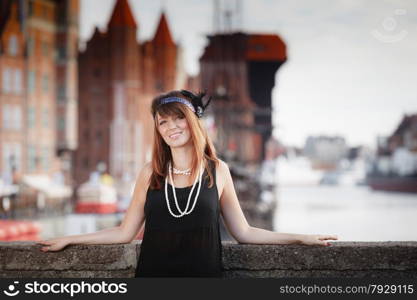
[{"x": 189, "y": 246}]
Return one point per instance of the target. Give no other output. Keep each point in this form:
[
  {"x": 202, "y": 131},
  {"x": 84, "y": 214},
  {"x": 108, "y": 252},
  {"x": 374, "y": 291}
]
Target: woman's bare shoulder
[
  {"x": 222, "y": 168},
  {"x": 145, "y": 172},
  {"x": 147, "y": 168},
  {"x": 222, "y": 171}
]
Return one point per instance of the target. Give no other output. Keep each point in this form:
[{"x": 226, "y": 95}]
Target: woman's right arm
[{"x": 124, "y": 233}]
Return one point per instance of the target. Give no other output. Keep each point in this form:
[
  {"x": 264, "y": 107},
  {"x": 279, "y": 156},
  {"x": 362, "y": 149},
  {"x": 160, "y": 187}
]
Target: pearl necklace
[
  {"x": 185, "y": 212},
  {"x": 181, "y": 172}
]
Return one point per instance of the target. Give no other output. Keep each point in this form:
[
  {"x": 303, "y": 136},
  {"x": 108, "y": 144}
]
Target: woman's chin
[{"x": 177, "y": 144}]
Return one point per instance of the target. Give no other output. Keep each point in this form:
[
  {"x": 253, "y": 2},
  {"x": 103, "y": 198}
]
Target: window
[
  {"x": 6, "y": 116},
  {"x": 62, "y": 53},
  {"x": 45, "y": 48},
  {"x": 30, "y": 8},
  {"x": 31, "y": 117},
  {"x": 12, "y": 156},
  {"x": 99, "y": 137},
  {"x": 17, "y": 81},
  {"x": 6, "y": 81},
  {"x": 17, "y": 118},
  {"x": 45, "y": 117},
  {"x": 12, "y": 117},
  {"x": 158, "y": 85},
  {"x": 61, "y": 92},
  {"x": 62, "y": 16},
  {"x": 31, "y": 81},
  {"x": 85, "y": 162},
  {"x": 7, "y": 160},
  {"x": 45, "y": 158},
  {"x": 13, "y": 49},
  {"x": 12, "y": 81},
  {"x": 17, "y": 151},
  {"x": 61, "y": 124},
  {"x": 32, "y": 160},
  {"x": 30, "y": 46},
  {"x": 45, "y": 83}
]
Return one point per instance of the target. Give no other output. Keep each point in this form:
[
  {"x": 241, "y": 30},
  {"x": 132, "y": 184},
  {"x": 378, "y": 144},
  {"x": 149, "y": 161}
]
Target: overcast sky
[{"x": 351, "y": 69}]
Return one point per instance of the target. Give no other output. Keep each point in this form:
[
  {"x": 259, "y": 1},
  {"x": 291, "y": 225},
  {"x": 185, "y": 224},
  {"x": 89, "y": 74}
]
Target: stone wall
[{"x": 341, "y": 259}]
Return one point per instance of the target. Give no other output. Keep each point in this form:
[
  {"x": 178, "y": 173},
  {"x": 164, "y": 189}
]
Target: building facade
[
  {"x": 38, "y": 85},
  {"x": 118, "y": 78}
]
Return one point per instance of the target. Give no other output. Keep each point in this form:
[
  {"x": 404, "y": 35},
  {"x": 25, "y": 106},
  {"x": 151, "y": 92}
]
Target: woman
[{"x": 181, "y": 194}]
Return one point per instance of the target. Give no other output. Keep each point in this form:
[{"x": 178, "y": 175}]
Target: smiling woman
[{"x": 180, "y": 195}]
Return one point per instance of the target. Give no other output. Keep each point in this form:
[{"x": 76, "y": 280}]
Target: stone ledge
[
  {"x": 24, "y": 259},
  {"x": 342, "y": 259}
]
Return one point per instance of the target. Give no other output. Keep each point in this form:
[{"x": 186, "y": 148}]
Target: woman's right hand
[
  {"x": 318, "y": 239},
  {"x": 56, "y": 244}
]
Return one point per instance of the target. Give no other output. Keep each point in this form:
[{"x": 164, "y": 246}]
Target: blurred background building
[
  {"x": 39, "y": 45},
  {"x": 394, "y": 168},
  {"x": 38, "y": 63},
  {"x": 118, "y": 78}
]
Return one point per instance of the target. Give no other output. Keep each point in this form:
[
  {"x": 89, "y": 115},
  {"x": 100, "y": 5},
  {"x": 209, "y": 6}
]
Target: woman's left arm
[{"x": 244, "y": 233}]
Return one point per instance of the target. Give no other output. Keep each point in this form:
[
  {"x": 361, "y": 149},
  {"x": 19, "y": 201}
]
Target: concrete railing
[{"x": 341, "y": 259}]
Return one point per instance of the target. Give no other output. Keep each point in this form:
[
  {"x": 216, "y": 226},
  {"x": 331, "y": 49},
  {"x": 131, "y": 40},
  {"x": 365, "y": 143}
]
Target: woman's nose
[{"x": 172, "y": 124}]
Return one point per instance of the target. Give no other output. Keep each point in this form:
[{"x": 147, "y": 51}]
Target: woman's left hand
[
  {"x": 317, "y": 239},
  {"x": 56, "y": 244}
]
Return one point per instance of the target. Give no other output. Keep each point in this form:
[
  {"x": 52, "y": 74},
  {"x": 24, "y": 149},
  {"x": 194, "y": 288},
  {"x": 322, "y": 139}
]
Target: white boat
[
  {"x": 96, "y": 196},
  {"x": 296, "y": 171}
]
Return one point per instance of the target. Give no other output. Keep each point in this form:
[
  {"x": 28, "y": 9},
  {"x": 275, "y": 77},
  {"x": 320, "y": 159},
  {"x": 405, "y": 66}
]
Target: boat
[
  {"x": 407, "y": 184},
  {"x": 97, "y": 195},
  {"x": 19, "y": 230}
]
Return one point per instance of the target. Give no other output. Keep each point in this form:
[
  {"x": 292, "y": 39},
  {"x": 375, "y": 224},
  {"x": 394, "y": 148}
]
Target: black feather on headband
[{"x": 197, "y": 101}]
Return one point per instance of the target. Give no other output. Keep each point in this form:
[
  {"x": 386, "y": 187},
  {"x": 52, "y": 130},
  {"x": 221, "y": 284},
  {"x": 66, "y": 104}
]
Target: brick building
[
  {"x": 38, "y": 85},
  {"x": 118, "y": 77}
]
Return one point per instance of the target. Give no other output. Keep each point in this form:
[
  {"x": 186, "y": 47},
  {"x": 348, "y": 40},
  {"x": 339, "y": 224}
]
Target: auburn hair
[{"x": 204, "y": 150}]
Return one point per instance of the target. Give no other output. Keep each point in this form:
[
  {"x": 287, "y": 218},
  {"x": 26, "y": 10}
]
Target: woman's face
[{"x": 174, "y": 130}]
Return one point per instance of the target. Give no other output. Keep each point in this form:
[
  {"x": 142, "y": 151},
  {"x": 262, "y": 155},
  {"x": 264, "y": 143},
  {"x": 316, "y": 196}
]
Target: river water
[{"x": 354, "y": 213}]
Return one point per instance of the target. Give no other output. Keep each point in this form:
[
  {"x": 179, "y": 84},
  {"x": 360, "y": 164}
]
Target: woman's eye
[{"x": 162, "y": 122}]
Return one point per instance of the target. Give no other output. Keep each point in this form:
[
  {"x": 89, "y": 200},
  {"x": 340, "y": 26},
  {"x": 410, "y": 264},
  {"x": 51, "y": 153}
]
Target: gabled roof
[
  {"x": 406, "y": 122},
  {"x": 122, "y": 15},
  {"x": 163, "y": 35}
]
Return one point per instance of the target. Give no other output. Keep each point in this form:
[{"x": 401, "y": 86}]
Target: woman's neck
[{"x": 182, "y": 157}]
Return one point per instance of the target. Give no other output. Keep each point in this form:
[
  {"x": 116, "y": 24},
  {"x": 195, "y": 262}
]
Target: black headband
[{"x": 192, "y": 101}]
